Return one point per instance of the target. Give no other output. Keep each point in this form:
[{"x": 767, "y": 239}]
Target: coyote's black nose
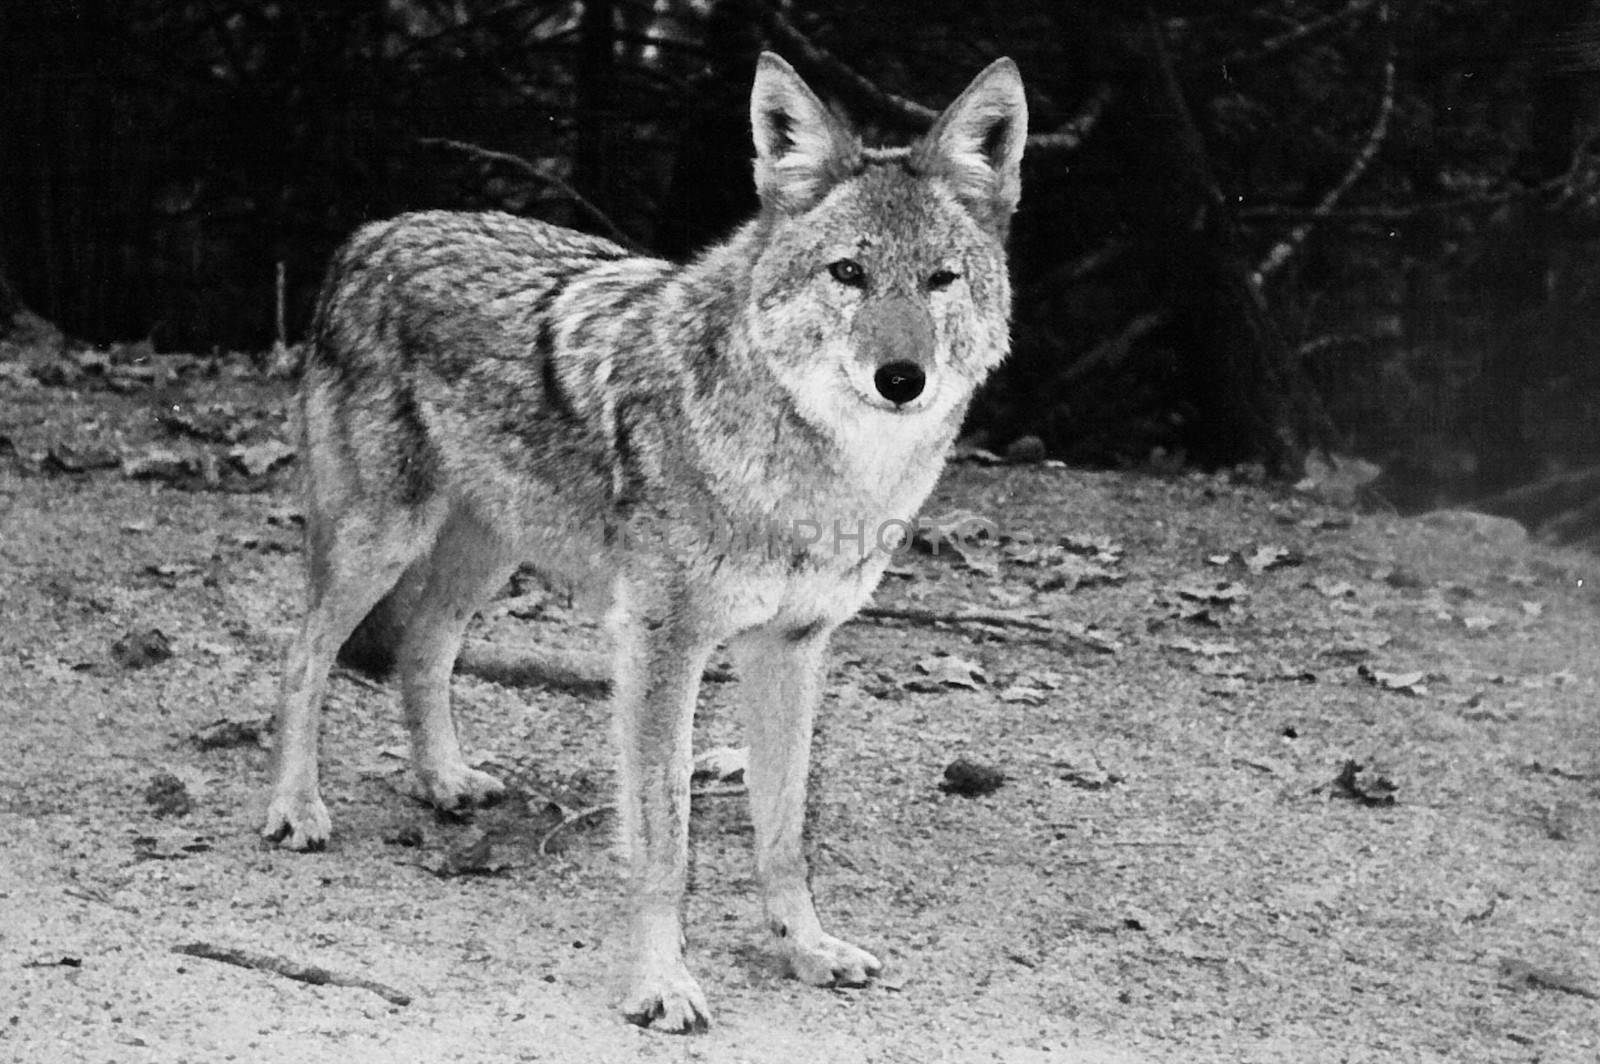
[{"x": 900, "y": 382}]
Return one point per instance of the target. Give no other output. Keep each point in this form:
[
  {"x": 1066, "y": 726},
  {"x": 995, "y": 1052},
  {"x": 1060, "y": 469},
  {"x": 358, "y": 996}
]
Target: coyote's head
[{"x": 880, "y": 292}]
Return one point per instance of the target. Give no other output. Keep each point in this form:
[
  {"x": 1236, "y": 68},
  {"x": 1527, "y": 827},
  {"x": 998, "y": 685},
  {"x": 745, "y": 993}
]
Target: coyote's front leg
[
  {"x": 781, "y": 674},
  {"x": 659, "y": 662}
]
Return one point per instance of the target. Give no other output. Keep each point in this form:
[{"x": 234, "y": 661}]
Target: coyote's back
[
  {"x": 448, "y": 357},
  {"x": 727, "y": 450}
]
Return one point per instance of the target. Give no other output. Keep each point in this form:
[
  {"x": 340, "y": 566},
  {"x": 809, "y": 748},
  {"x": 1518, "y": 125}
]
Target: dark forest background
[{"x": 1250, "y": 230}]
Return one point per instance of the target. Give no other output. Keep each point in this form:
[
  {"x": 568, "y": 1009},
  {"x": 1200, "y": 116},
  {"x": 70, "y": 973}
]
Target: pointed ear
[
  {"x": 977, "y": 144},
  {"x": 801, "y": 148}
]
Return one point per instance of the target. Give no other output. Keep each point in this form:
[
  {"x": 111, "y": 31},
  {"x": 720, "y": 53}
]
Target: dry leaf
[
  {"x": 474, "y": 855},
  {"x": 1329, "y": 587},
  {"x": 947, "y": 671},
  {"x": 1358, "y": 783},
  {"x": 79, "y": 458},
  {"x": 213, "y": 423},
  {"x": 958, "y": 533},
  {"x": 1074, "y": 571},
  {"x": 722, "y": 764},
  {"x": 1090, "y": 637},
  {"x": 159, "y": 463},
  {"x": 1220, "y": 593},
  {"x": 1406, "y": 683},
  {"x": 1025, "y": 694},
  {"x": 226, "y": 733},
  {"x": 1204, "y": 648},
  {"x": 1102, "y": 549},
  {"x": 170, "y": 845},
  {"x": 1400, "y": 578},
  {"x": 1271, "y": 556},
  {"x": 1084, "y": 770},
  {"x": 259, "y": 459}
]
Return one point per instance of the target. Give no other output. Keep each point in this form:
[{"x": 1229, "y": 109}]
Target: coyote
[{"x": 728, "y": 450}]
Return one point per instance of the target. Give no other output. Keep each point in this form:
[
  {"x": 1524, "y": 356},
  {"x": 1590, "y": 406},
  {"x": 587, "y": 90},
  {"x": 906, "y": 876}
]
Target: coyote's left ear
[
  {"x": 977, "y": 144},
  {"x": 802, "y": 150}
]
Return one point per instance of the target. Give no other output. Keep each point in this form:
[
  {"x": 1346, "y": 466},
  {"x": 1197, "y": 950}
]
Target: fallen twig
[
  {"x": 729, "y": 791},
  {"x": 1517, "y": 972},
  {"x": 576, "y": 818},
  {"x": 524, "y": 166},
  {"x": 965, "y": 615},
  {"x": 346, "y": 673},
  {"x": 523, "y": 665},
  {"x": 303, "y": 973},
  {"x": 1301, "y": 34},
  {"x": 98, "y": 896}
]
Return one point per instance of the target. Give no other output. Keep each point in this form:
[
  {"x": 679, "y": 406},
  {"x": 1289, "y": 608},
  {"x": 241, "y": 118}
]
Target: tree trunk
[{"x": 1244, "y": 396}]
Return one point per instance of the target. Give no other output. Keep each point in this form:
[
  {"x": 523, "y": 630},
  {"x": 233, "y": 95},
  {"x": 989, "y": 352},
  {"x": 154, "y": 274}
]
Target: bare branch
[
  {"x": 523, "y": 166},
  {"x": 867, "y": 96},
  {"x": 1075, "y": 271},
  {"x": 1562, "y": 185},
  {"x": 1074, "y": 131},
  {"x": 1301, "y": 34},
  {"x": 864, "y": 92},
  {"x": 1113, "y": 349},
  {"x": 1321, "y": 345},
  {"x": 1285, "y": 249}
]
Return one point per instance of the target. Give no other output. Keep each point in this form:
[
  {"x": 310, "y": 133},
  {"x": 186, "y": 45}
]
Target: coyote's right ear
[{"x": 801, "y": 149}]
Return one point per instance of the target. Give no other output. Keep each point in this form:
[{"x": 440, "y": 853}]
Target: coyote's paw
[
  {"x": 457, "y": 788},
  {"x": 298, "y": 821},
  {"x": 830, "y": 962},
  {"x": 667, "y": 998}
]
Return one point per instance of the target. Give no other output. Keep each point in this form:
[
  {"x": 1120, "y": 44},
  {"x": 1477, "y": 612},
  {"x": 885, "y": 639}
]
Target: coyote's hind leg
[
  {"x": 352, "y": 561},
  {"x": 469, "y": 562}
]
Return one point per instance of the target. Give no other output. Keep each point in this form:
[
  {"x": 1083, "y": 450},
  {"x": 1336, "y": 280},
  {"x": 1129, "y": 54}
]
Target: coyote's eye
[
  {"x": 942, "y": 279},
  {"x": 849, "y": 272}
]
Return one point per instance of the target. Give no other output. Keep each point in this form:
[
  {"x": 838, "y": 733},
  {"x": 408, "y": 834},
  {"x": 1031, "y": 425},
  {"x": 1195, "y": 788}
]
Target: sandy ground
[{"x": 1171, "y": 872}]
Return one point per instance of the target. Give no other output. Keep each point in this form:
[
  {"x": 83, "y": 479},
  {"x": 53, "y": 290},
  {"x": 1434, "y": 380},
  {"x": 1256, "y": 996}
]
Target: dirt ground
[{"x": 1282, "y": 782}]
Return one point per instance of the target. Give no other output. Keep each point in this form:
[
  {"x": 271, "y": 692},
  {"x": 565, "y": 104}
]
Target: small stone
[
  {"x": 971, "y": 779},
  {"x": 1026, "y": 449},
  {"x": 167, "y": 795}
]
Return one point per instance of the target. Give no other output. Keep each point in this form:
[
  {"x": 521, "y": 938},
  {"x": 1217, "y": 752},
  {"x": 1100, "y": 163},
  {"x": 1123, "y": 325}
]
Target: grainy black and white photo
[{"x": 790, "y": 530}]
